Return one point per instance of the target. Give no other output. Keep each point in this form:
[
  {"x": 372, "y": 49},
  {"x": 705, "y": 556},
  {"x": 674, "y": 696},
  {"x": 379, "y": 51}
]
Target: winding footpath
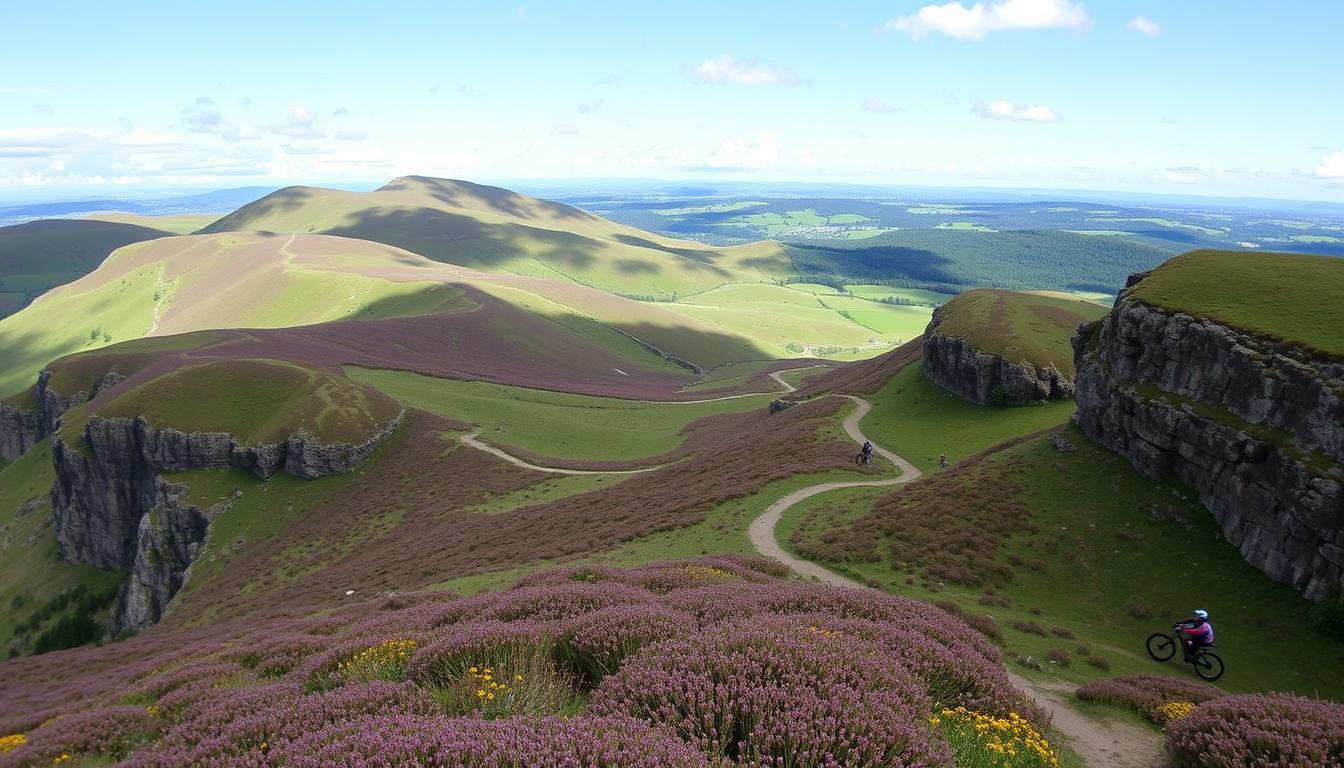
[{"x": 1114, "y": 744}]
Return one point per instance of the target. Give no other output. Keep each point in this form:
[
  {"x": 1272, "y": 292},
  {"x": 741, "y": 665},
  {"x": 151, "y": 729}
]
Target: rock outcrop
[
  {"x": 110, "y": 509},
  {"x": 984, "y": 377},
  {"x": 1254, "y": 427},
  {"x": 21, "y": 429}
]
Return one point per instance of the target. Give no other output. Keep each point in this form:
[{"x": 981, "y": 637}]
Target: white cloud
[
  {"x": 956, "y": 20},
  {"x": 873, "y": 105},
  {"x": 739, "y": 152},
  {"x": 591, "y": 106},
  {"x": 1332, "y": 166},
  {"x": 351, "y": 136},
  {"x": 1145, "y": 26},
  {"x": 727, "y": 69},
  {"x": 1002, "y": 109}
]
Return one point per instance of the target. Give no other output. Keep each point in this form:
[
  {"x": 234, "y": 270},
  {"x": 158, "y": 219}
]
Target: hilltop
[{"x": 494, "y": 229}]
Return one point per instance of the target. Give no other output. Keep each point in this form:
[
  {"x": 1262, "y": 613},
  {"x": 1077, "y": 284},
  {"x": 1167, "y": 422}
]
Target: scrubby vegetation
[{"x": 706, "y": 662}]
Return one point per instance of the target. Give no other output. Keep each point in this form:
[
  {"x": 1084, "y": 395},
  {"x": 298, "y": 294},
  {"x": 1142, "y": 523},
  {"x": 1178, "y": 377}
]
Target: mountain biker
[
  {"x": 867, "y": 452},
  {"x": 1196, "y": 632},
  {"x": 942, "y": 460}
]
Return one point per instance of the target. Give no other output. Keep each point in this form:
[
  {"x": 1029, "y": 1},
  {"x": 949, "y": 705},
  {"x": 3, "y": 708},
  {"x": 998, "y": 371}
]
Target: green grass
[
  {"x": 1295, "y": 298},
  {"x": 1104, "y": 557},
  {"x": 553, "y": 424},
  {"x": 257, "y": 401},
  {"x": 1035, "y": 326},
  {"x": 1169, "y": 224},
  {"x": 913, "y": 295},
  {"x": 789, "y": 322},
  {"x": 34, "y": 572},
  {"x": 73, "y": 319},
  {"x": 919, "y": 420}
]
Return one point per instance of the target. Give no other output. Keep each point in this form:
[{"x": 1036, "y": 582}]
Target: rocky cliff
[
  {"x": 110, "y": 508},
  {"x": 21, "y": 429},
  {"x": 1255, "y": 427},
  {"x": 984, "y": 377}
]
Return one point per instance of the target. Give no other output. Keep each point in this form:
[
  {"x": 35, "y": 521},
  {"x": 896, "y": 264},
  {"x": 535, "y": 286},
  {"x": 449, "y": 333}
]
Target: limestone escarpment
[
  {"x": 110, "y": 508},
  {"x": 20, "y": 430},
  {"x": 984, "y": 377},
  {"x": 1255, "y": 427}
]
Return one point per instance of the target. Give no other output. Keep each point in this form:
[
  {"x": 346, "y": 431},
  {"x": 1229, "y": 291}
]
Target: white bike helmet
[{"x": 1201, "y": 613}]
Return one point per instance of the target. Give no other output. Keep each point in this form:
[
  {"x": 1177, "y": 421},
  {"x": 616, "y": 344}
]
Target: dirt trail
[
  {"x": 1101, "y": 745},
  {"x": 471, "y": 439}
]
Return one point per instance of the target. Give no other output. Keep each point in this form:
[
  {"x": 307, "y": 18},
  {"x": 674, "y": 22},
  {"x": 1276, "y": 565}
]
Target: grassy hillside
[
  {"x": 41, "y": 255},
  {"x": 184, "y": 224},
  {"x": 1073, "y": 552},
  {"x": 493, "y": 229},
  {"x": 920, "y": 420},
  {"x": 1293, "y": 297},
  {"x": 39, "y": 591},
  {"x": 256, "y": 401},
  {"x": 1034, "y": 326},
  {"x": 554, "y": 424}
]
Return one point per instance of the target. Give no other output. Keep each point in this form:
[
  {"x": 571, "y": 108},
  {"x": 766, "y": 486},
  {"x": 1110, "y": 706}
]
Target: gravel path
[{"x": 1101, "y": 745}]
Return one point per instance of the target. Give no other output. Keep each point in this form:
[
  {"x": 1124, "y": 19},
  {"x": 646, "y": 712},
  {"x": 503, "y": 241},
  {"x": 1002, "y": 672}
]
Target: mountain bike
[
  {"x": 863, "y": 458},
  {"x": 1163, "y": 647}
]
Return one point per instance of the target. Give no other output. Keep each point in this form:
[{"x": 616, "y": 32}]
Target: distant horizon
[{"x": 717, "y": 185}]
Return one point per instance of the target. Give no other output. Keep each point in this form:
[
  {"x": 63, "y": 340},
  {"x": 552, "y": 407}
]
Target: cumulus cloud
[
  {"x": 873, "y": 105},
  {"x": 591, "y": 106},
  {"x": 1145, "y": 26},
  {"x": 1002, "y": 109},
  {"x": 350, "y": 136},
  {"x": 300, "y": 123},
  {"x": 1332, "y": 166},
  {"x": 727, "y": 69},
  {"x": 958, "y": 21},
  {"x": 41, "y": 142},
  {"x": 200, "y": 116}
]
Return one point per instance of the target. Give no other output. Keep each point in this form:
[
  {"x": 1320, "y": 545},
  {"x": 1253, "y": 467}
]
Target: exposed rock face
[
  {"x": 167, "y": 542},
  {"x": 1255, "y": 428},
  {"x": 22, "y": 429},
  {"x": 107, "y": 486},
  {"x": 987, "y": 378},
  {"x": 19, "y": 431}
]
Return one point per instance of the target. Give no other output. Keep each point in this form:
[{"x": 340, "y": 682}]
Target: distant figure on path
[
  {"x": 866, "y": 453},
  {"x": 942, "y": 460}
]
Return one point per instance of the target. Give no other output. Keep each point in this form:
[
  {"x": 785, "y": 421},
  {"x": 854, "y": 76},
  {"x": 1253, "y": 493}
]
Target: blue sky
[{"x": 1226, "y": 98}]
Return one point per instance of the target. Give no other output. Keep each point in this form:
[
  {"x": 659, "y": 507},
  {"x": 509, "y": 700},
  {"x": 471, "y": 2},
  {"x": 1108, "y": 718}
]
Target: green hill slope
[
  {"x": 40, "y": 255},
  {"x": 493, "y": 229},
  {"x": 1019, "y": 325},
  {"x": 1293, "y": 297}
]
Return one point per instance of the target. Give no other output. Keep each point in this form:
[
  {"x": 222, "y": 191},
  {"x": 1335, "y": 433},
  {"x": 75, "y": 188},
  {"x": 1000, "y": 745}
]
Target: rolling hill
[
  {"x": 493, "y": 229},
  {"x": 40, "y": 255}
]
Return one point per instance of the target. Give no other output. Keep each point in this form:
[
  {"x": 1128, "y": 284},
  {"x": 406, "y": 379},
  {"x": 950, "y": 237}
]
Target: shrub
[
  {"x": 1099, "y": 663},
  {"x": 466, "y": 743},
  {"x": 1147, "y": 693},
  {"x": 110, "y": 732},
  {"x": 1029, "y": 627},
  {"x": 1063, "y": 632},
  {"x": 778, "y": 693},
  {"x": 1277, "y": 730},
  {"x": 1057, "y": 656},
  {"x": 1138, "y": 609}
]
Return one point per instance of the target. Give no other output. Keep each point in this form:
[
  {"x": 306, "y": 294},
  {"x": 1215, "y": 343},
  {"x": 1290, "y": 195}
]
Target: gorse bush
[
  {"x": 1150, "y": 695},
  {"x": 696, "y": 663}
]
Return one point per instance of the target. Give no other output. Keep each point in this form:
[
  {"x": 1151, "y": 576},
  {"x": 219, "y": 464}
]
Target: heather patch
[
  {"x": 1261, "y": 730},
  {"x": 685, "y": 663},
  {"x": 1158, "y": 698}
]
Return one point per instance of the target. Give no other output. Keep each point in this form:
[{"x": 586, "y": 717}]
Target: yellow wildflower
[
  {"x": 12, "y": 741},
  {"x": 1175, "y": 710}
]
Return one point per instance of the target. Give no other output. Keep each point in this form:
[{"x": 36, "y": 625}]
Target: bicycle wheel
[
  {"x": 1161, "y": 647},
  {"x": 1209, "y": 666}
]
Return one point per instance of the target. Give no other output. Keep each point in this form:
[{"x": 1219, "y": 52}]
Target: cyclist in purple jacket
[{"x": 1196, "y": 632}]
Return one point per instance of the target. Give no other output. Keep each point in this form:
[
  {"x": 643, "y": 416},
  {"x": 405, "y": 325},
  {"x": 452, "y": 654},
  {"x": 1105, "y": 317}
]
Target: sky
[{"x": 1226, "y": 98}]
